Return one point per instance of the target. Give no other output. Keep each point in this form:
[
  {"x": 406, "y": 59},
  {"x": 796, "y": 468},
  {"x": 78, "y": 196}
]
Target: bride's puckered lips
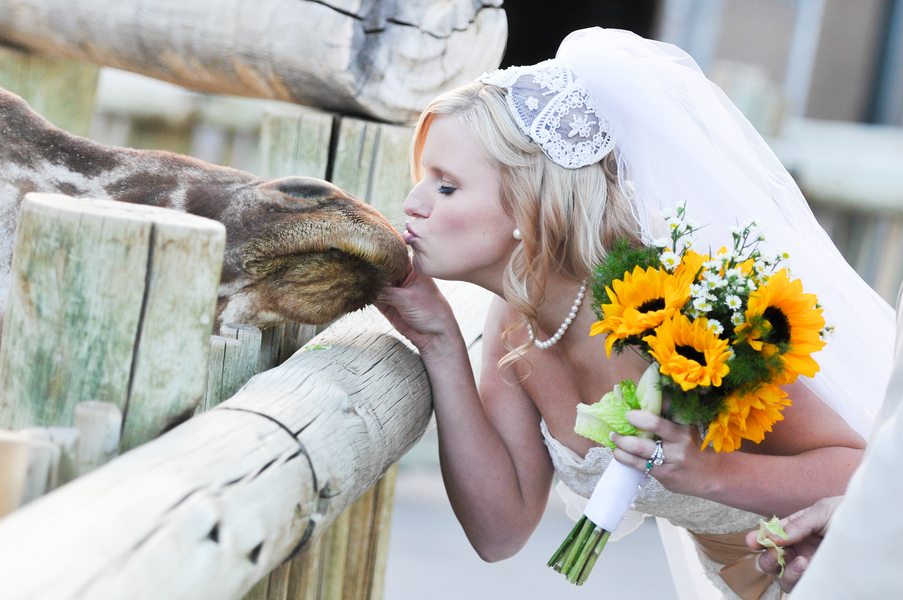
[{"x": 408, "y": 235}]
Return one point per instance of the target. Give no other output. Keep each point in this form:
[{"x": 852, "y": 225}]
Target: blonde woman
[{"x": 524, "y": 180}]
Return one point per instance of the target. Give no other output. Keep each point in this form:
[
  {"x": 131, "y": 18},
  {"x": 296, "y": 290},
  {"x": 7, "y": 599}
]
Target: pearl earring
[{"x": 516, "y": 234}]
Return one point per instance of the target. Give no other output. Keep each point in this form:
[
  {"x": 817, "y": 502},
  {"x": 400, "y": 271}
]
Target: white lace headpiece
[{"x": 552, "y": 106}]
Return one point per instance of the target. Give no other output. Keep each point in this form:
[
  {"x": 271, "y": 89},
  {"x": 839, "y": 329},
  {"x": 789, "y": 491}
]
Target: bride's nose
[{"x": 415, "y": 205}]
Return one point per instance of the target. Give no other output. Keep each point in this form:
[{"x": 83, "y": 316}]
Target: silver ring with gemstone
[{"x": 657, "y": 458}]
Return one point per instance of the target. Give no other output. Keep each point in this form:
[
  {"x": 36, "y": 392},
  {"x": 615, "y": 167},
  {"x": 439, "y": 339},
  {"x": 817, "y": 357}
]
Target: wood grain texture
[
  {"x": 381, "y": 59},
  {"x": 108, "y": 301}
]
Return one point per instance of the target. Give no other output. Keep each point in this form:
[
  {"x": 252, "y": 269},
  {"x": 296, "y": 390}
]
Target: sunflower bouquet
[{"x": 722, "y": 332}]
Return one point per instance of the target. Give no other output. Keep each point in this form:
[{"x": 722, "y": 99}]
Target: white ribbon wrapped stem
[{"x": 614, "y": 494}]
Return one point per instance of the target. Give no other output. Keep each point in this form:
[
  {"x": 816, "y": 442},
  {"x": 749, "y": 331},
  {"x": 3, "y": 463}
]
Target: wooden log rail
[{"x": 379, "y": 59}]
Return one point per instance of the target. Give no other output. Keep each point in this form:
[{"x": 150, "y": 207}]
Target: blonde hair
[{"x": 568, "y": 218}]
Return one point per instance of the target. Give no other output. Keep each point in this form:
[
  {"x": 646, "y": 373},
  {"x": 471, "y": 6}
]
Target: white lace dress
[{"x": 702, "y": 516}]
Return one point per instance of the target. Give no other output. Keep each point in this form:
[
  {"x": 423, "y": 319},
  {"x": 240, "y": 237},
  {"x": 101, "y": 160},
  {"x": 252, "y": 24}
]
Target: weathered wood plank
[
  {"x": 67, "y": 440},
  {"x": 250, "y": 338},
  {"x": 371, "y": 162},
  {"x": 63, "y": 287},
  {"x": 99, "y": 425},
  {"x": 13, "y": 469},
  {"x": 183, "y": 275},
  {"x": 43, "y": 468},
  {"x": 61, "y": 90},
  {"x": 381, "y": 59},
  {"x": 109, "y": 301},
  {"x": 225, "y": 371},
  {"x": 295, "y": 141}
]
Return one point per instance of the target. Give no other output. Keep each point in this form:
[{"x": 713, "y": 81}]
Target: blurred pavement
[{"x": 430, "y": 557}]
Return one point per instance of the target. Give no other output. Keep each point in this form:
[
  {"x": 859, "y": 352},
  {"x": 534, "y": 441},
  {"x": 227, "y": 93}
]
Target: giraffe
[{"x": 298, "y": 249}]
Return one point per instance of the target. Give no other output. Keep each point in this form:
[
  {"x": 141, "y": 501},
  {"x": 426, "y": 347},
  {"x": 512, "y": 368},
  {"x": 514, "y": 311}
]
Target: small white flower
[
  {"x": 661, "y": 242},
  {"x": 702, "y": 304},
  {"x": 751, "y": 284},
  {"x": 737, "y": 318},
  {"x": 532, "y": 103},
  {"x": 692, "y": 223},
  {"x": 734, "y": 302},
  {"x": 666, "y": 213},
  {"x": 716, "y": 326},
  {"x": 761, "y": 238},
  {"x": 697, "y": 290},
  {"x": 687, "y": 243},
  {"x": 670, "y": 260},
  {"x": 711, "y": 281},
  {"x": 736, "y": 230},
  {"x": 712, "y": 265},
  {"x": 735, "y": 272}
]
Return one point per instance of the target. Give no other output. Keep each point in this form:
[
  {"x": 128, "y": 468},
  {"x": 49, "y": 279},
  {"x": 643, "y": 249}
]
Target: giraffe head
[{"x": 298, "y": 249}]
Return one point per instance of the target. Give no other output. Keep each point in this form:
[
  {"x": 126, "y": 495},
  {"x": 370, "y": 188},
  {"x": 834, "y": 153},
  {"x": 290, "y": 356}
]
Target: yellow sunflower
[
  {"x": 748, "y": 416},
  {"x": 689, "y": 352},
  {"x": 690, "y": 264},
  {"x": 779, "y": 313},
  {"x": 640, "y": 302}
]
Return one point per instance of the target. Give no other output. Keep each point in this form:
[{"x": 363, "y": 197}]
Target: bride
[{"x": 525, "y": 179}]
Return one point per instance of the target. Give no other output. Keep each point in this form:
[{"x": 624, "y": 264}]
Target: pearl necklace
[{"x": 564, "y": 326}]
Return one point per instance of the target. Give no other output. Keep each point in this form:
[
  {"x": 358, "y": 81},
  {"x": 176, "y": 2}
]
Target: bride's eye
[{"x": 446, "y": 190}]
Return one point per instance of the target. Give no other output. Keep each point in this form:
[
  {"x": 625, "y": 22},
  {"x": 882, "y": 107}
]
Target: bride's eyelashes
[{"x": 447, "y": 190}]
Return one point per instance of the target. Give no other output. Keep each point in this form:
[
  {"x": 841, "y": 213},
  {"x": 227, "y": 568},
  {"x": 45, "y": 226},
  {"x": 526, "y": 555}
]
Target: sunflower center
[
  {"x": 691, "y": 353},
  {"x": 780, "y": 326},
  {"x": 652, "y": 305}
]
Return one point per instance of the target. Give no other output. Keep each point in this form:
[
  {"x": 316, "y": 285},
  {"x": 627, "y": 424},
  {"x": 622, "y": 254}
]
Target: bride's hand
[
  {"x": 418, "y": 311},
  {"x": 685, "y": 470}
]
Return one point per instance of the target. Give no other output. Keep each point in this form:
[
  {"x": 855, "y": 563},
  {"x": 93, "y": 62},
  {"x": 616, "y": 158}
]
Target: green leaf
[
  {"x": 774, "y": 528},
  {"x": 598, "y": 420},
  {"x": 311, "y": 347}
]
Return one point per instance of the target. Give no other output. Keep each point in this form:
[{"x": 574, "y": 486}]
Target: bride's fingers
[
  {"x": 629, "y": 459},
  {"x": 637, "y": 446},
  {"x": 648, "y": 421}
]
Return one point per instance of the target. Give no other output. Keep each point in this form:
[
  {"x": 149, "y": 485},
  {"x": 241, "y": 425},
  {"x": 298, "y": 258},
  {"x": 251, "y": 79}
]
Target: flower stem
[
  {"x": 585, "y": 551},
  {"x": 577, "y": 546},
  {"x": 594, "y": 555},
  {"x": 555, "y": 561}
]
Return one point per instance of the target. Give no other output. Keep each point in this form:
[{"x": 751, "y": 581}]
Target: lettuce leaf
[
  {"x": 597, "y": 421},
  {"x": 773, "y": 527}
]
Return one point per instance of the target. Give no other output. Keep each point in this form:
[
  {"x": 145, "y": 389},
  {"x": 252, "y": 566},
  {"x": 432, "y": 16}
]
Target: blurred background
[{"x": 822, "y": 80}]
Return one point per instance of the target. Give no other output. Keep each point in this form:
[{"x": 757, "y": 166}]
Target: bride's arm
[
  {"x": 809, "y": 455},
  {"x": 494, "y": 463}
]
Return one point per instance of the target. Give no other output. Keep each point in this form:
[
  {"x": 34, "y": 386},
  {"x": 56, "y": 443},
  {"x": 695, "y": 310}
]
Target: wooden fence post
[
  {"x": 108, "y": 301},
  {"x": 13, "y": 469}
]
